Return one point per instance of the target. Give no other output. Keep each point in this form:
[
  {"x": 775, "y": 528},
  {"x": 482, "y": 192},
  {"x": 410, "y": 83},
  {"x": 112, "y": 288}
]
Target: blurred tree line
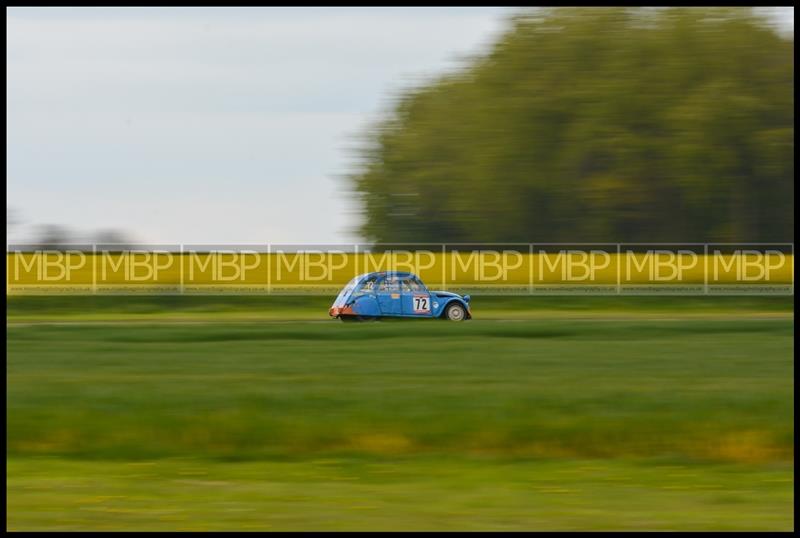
[
  {"x": 57, "y": 237},
  {"x": 586, "y": 124}
]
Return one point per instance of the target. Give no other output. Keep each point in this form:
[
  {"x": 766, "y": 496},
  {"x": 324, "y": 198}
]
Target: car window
[
  {"x": 368, "y": 285},
  {"x": 420, "y": 285},
  {"x": 411, "y": 285},
  {"x": 389, "y": 284}
]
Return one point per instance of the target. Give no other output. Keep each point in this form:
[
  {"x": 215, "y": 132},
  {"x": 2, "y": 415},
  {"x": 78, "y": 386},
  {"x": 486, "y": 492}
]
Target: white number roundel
[{"x": 422, "y": 303}]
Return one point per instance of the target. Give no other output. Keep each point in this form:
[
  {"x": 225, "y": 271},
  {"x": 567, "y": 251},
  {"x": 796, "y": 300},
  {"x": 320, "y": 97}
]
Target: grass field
[
  {"x": 277, "y": 307},
  {"x": 662, "y": 413}
]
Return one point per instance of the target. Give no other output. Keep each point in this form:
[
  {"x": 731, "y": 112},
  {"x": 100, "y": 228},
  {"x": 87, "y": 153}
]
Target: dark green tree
[{"x": 595, "y": 124}]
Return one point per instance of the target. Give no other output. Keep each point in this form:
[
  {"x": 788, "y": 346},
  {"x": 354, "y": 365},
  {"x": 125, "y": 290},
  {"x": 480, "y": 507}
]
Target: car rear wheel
[{"x": 455, "y": 312}]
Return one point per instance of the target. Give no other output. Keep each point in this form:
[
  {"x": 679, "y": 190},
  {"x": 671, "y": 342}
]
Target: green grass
[
  {"x": 683, "y": 423},
  {"x": 277, "y": 307},
  {"x": 251, "y": 391},
  {"x": 420, "y": 493}
]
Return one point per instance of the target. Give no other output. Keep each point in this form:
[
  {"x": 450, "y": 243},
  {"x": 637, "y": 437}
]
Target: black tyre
[
  {"x": 455, "y": 312},
  {"x": 357, "y": 318}
]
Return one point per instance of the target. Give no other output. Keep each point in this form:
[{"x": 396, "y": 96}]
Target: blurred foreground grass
[
  {"x": 401, "y": 493},
  {"x": 540, "y": 424}
]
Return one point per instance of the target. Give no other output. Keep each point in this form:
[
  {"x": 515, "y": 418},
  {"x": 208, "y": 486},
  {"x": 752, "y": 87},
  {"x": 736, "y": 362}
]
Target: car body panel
[{"x": 393, "y": 294}]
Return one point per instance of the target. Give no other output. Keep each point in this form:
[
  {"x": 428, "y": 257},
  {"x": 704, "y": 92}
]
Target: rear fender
[{"x": 365, "y": 305}]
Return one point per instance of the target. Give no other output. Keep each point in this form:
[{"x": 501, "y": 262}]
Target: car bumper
[{"x": 337, "y": 311}]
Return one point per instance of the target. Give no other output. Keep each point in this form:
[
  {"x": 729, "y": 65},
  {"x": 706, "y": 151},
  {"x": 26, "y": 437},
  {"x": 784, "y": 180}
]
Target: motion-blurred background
[{"x": 418, "y": 125}]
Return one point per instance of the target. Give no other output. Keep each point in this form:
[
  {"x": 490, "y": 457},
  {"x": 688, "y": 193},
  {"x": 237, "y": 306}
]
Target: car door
[
  {"x": 365, "y": 299},
  {"x": 416, "y": 298},
  {"x": 388, "y": 294}
]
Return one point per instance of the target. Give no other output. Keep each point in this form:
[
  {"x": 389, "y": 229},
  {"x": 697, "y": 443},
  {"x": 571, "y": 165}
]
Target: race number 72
[{"x": 421, "y": 303}]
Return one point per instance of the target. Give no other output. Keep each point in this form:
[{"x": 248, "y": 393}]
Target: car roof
[{"x": 385, "y": 273}]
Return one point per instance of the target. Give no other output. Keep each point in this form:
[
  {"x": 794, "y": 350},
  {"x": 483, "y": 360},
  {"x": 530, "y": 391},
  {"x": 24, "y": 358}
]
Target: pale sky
[{"x": 211, "y": 125}]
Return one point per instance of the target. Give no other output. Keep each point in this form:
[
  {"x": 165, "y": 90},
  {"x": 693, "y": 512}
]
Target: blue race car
[{"x": 396, "y": 294}]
